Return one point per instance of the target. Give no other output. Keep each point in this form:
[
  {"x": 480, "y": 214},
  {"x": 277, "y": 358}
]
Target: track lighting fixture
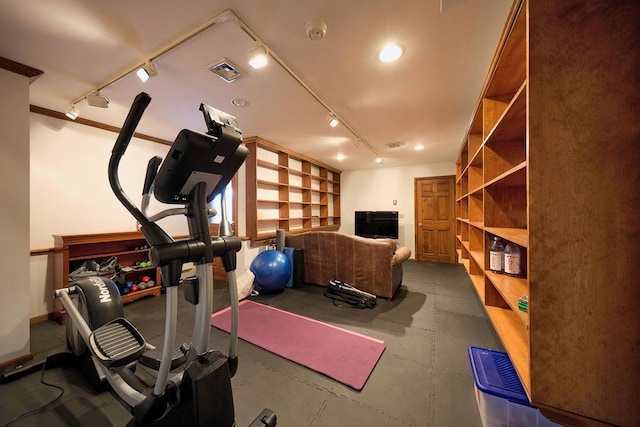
[
  {"x": 73, "y": 112},
  {"x": 147, "y": 71},
  {"x": 258, "y": 57},
  {"x": 379, "y": 159},
  {"x": 96, "y": 100},
  {"x": 333, "y": 120}
]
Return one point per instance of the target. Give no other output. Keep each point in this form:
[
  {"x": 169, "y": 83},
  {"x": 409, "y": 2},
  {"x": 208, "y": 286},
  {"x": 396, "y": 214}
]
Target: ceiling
[{"x": 426, "y": 97}]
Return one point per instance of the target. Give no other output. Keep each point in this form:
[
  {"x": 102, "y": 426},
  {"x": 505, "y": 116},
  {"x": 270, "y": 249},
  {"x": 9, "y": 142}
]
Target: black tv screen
[{"x": 377, "y": 224}]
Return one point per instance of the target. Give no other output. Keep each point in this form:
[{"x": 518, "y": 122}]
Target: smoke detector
[
  {"x": 316, "y": 29},
  {"x": 394, "y": 145}
]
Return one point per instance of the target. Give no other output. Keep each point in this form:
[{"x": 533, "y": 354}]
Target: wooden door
[{"x": 435, "y": 219}]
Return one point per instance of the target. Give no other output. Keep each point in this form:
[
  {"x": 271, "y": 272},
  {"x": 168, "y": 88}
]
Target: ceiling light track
[
  {"x": 225, "y": 16},
  {"x": 299, "y": 80},
  {"x": 218, "y": 19}
]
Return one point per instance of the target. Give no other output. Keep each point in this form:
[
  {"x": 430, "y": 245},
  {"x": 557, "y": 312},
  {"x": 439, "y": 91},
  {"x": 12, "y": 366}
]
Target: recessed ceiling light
[
  {"x": 419, "y": 147},
  {"x": 239, "y": 102},
  {"x": 340, "y": 157},
  {"x": 390, "y": 52},
  {"x": 379, "y": 159}
]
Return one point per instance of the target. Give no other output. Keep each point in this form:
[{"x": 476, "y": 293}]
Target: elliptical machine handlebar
[
  {"x": 152, "y": 232},
  {"x": 136, "y": 111}
]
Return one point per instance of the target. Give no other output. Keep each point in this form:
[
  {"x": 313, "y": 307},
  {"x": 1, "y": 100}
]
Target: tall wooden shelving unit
[
  {"x": 289, "y": 191},
  {"x": 541, "y": 167}
]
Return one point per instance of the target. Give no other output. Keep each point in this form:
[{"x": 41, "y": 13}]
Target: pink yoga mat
[{"x": 343, "y": 355}]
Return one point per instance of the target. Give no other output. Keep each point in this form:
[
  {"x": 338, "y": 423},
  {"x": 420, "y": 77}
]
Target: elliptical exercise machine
[{"x": 191, "y": 385}]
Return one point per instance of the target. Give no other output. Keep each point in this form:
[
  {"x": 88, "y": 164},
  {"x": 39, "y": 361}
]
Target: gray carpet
[{"x": 422, "y": 379}]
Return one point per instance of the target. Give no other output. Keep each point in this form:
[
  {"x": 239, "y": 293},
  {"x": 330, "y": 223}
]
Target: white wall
[
  {"x": 14, "y": 211},
  {"x": 70, "y": 192},
  {"x": 376, "y": 189}
]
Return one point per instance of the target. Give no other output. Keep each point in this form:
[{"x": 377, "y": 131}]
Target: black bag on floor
[{"x": 343, "y": 292}]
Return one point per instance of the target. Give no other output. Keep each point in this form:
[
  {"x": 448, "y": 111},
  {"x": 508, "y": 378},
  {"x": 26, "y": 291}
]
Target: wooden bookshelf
[
  {"x": 289, "y": 191},
  {"x": 550, "y": 163},
  {"x": 72, "y": 250}
]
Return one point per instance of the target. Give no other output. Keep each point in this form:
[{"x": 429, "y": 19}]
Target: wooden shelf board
[
  {"x": 269, "y": 165},
  {"x": 517, "y": 175},
  {"x": 272, "y": 201},
  {"x": 133, "y": 296},
  {"x": 476, "y": 158},
  {"x": 476, "y": 224},
  {"x": 515, "y": 235},
  {"x": 515, "y": 340},
  {"x": 106, "y": 255},
  {"x": 511, "y": 288},
  {"x": 478, "y": 257},
  {"x": 476, "y": 190},
  {"x": 478, "y": 284},
  {"x": 512, "y": 124},
  {"x": 271, "y": 183}
]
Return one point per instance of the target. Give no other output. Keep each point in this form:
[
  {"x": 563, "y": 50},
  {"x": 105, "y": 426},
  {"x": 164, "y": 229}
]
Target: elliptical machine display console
[{"x": 190, "y": 385}]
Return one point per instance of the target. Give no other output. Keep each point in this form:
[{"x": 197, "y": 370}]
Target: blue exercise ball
[{"x": 272, "y": 270}]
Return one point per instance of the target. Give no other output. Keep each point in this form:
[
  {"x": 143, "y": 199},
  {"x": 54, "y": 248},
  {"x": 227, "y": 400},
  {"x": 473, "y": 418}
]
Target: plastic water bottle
[
  {"x": 496, "y": 256},
  {"x": 512, "y": 259}
]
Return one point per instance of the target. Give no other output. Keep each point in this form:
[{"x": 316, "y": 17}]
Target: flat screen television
[{"x": 377, "y": 224}]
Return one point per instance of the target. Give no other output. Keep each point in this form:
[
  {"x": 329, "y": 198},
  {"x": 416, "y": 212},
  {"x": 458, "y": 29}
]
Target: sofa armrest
[{"x": 401, "y": 255}]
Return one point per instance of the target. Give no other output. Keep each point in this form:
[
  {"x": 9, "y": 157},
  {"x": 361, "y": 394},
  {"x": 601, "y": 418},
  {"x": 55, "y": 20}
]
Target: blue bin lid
[{"x": 494, "y": 373}]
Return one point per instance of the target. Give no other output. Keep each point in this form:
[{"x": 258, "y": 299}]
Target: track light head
[
  {"x": 333, "y": 120},
  {"x": 147, "y": 71},
  {"x": 258, "y": 57},
  {"x": 73, "y": 112},
  {"x": 96, "y": 100},
  {"x": 379, "y": 159}
]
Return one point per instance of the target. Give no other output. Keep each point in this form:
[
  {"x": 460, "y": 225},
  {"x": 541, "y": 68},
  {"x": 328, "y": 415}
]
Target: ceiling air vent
[
  {"x": 226, "y": 70},
  {"x": 393, "y": 145}
]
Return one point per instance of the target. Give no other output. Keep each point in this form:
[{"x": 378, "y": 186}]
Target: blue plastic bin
[{"x": 502, "y": 401}]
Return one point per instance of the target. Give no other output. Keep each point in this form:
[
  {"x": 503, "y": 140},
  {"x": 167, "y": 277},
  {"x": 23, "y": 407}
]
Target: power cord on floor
[{"x": 42, "y": 381}]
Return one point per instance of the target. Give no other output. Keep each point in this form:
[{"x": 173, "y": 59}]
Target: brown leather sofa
[{"x": 371, "y": 265}]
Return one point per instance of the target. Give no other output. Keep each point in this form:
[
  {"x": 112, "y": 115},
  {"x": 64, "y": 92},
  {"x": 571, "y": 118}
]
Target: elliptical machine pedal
[
  {"x": 117, "y": 343},
  {"x": 151, "y": 359}
]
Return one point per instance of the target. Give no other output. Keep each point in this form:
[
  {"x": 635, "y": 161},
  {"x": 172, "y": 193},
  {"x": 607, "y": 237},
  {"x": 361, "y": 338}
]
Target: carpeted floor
[{"x": 422, "y": 379}]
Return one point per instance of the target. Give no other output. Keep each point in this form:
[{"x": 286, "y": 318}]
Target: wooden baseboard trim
[
  {"x": 15, "y": 362},
  {"x": 41, "y": 318}
]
